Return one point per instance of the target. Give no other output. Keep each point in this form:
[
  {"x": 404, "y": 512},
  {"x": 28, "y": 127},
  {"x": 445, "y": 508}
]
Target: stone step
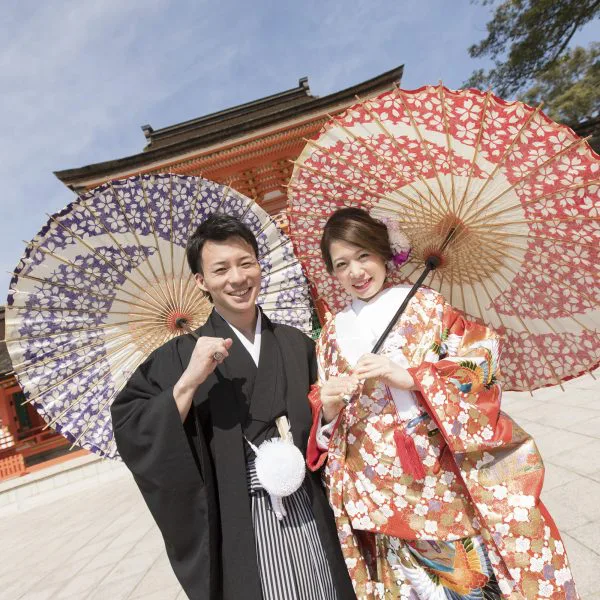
[{"x": 59, "y": 480}]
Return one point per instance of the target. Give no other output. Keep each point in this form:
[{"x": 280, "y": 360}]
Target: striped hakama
[{"x": 291, "y": 560}]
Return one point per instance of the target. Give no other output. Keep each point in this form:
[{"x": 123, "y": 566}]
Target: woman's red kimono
[{"x": 405, "y": 493}]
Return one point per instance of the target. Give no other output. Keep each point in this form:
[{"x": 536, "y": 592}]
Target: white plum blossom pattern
[{"x": 524, "y": 191}]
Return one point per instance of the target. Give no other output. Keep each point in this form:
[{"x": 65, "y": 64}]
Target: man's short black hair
[{"x": 217, "y": 228}]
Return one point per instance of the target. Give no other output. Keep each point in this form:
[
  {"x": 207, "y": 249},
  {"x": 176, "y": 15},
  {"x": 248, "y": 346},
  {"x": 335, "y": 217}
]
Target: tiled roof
[{"x": 227, "y": 124}]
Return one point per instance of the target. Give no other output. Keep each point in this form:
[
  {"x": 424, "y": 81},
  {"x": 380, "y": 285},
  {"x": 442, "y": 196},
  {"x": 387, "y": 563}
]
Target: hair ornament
[{"x": 398, "y": 241}]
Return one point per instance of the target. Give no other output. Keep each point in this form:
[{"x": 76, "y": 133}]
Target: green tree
[
  {"x": 526, "y": 37},
  {"x": 570, "y": 86}
]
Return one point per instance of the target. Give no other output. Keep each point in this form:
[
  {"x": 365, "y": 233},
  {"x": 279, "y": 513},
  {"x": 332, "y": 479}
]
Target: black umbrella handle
[{"x": 431, "y": 264}]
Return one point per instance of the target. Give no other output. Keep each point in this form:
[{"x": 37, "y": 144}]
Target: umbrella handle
[{"x": 431, "y": 264}]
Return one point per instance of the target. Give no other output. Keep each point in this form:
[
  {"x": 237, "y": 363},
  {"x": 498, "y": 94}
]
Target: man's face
[{"x": 231, "y": 275}]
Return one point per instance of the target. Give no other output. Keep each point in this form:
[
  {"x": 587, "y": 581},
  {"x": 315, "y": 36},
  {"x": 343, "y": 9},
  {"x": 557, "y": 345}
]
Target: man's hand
[
  {"x": 201, "y": 365},
  {"x": 333, "y": 392},
  {"x": 202, "y": 362},
  {"x": 374, "y": 365}
]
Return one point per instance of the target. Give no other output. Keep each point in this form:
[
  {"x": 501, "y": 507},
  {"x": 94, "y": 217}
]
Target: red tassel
[{"x": 409, "y": 457}]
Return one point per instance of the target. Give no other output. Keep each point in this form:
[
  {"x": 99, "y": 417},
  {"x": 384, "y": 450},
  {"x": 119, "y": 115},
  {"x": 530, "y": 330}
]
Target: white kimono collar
[
  {"x": 252, "y": 348},
  {"x": 359, "y": 326}
]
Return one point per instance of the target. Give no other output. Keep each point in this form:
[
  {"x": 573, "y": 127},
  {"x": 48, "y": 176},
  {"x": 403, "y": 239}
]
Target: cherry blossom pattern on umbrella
[
  {"x": 506, "y": 198},
  {"x": 106, "y": 281}
]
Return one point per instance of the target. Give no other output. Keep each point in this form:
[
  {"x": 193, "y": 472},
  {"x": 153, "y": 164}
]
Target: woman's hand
[
  {"x": 333, "y": 392},
  {"x": 392, "y": 374}
]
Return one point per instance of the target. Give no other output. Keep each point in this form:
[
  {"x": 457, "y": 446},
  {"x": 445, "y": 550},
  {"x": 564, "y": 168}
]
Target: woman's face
[{"x": 360, "y": 272}]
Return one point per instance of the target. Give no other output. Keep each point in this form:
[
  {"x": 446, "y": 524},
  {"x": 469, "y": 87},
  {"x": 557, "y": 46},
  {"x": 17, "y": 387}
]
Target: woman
[{"x": 435, "y": 490}]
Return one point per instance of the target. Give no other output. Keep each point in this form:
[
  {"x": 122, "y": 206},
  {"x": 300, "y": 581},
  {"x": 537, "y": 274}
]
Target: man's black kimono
[{"x": 194, "y": 480}]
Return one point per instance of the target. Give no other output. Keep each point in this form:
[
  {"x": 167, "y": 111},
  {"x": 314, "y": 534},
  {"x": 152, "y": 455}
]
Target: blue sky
[{"x": 78, "y": 79}]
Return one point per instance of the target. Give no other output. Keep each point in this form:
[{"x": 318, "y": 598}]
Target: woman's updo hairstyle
[{"x": 355, "y": 226}]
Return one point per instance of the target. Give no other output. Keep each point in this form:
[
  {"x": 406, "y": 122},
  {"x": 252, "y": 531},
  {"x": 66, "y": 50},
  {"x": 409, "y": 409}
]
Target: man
[{"x": 181, "y": 425}]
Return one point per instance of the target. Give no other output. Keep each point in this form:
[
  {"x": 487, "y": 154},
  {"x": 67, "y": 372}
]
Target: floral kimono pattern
[{"x": 468, "y": 522}]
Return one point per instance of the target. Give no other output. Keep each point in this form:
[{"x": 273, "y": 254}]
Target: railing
[{"x": 12, "y": 466}]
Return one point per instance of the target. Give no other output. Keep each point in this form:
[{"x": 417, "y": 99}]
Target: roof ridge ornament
[{"x": 303, "y": 83}]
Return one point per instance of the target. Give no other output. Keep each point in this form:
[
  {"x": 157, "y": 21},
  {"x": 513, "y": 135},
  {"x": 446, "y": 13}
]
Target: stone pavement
[
  {"x": 566, "y": 428},
  {"x": 101, "y": 544}
]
